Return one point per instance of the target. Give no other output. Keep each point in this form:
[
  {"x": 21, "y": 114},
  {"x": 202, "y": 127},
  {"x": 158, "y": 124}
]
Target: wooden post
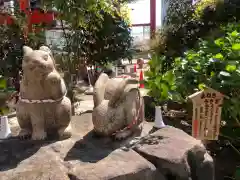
[{"x": 152, "y": 17}]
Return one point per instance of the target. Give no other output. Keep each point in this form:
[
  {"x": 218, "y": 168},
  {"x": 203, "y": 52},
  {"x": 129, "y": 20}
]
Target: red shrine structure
[
  {"x": 37, "y": 16},
  {"x": 152, "y": 22},
  {"x": 34, "y": 16}
]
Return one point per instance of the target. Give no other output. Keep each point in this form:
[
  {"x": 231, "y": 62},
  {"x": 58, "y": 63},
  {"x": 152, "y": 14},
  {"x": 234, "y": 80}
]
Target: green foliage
[
  {"x": 94, "y": 32},
  {"x": 202, "y": 5},
  {"x": 175, "y": 33},
  {"x": 10, "y": 52},
  {"x": 112, "y": 41},
  {"x": 161, "y": 85},
  {"x": 186, "y": 23},
  {"x": 3, "y": 83},
  {"x": 11, "y": 43},
  {"x": 105, "y": 38},
  {"x": 214, "y": 64},
  {"x": 237, "y": 173},
  {"x": 12, "y": 39},
  {"x": 79, "y": 11}
]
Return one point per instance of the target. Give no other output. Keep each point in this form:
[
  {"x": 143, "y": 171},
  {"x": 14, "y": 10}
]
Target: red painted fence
[{"x": 37, "y": 16}]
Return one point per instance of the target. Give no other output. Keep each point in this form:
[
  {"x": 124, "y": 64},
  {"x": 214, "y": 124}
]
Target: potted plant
[{"x": 160, "y": 85}]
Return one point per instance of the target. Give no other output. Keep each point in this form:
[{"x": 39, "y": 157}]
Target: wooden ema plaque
[{"x": 206, "y": 117}]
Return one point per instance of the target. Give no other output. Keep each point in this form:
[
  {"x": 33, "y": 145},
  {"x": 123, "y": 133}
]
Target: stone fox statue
[
  {"x": 118, "y": 107},
  {"x": 42, "y": 107}
]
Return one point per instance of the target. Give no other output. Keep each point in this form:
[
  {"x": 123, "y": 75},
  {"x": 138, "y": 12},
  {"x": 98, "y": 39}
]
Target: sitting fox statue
[
  {"x": 43, "y": 107},
  {"x": 118, "y": 107}
]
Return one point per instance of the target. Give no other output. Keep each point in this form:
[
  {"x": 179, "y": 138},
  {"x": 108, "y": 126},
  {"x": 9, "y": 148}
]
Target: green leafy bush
[
  {"x": 215, "y": 63},
  {"x": 107, "y": 43},
  {"x": 185, "y": 24},
  {"x": 161, "y": 85}
]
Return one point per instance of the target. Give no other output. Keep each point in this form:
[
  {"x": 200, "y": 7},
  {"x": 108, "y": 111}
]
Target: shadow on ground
[
  {"x": 13, "y": 151},
  {"x": 91, "y": 148}
]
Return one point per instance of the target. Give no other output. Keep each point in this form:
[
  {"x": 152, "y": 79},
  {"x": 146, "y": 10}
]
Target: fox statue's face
[{"x": 37, "y": 63}]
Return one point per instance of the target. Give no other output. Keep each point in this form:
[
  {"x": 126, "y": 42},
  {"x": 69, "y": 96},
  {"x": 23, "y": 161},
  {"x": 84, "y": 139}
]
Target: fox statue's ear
[
  {"x": 27, "y": 50},
  {"x": 46, "y": 49}
]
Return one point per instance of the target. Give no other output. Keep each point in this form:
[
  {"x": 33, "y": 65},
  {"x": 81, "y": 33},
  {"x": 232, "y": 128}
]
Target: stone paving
[{"x": 85, "y": 104}]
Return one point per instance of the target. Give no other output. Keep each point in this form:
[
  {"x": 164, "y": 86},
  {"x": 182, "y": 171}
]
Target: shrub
[
  {"x": 202, "y": 5},
  {"x": 186, "y": 23},
  {"x": 112, "y": 41},
  {"x": 215, "y": 63},
  {"x": 161, "y": 85}
]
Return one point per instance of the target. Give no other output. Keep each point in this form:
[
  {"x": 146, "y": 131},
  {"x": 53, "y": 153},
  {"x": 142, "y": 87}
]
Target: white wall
[
  {"x": 140, "y": 12},
  {"x": 158, "y": 13},
  {"x": 164, "y": 10}
]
